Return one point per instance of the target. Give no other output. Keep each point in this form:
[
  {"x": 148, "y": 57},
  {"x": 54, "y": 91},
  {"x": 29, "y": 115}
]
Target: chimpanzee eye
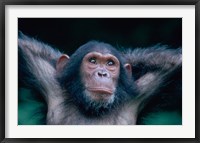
[
  {"x": 92, "y": 60},
  {"x": 110, "y": 63}
]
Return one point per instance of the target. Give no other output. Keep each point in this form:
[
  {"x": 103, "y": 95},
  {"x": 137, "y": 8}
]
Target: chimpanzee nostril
[
  {"x": 99, "y": 74},
  {"x": 105, "y": 74},
  {"x": 102, "y": 74}
]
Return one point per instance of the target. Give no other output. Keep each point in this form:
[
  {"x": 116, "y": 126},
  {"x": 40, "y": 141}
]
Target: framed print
[{"x": 99, "y": 71}]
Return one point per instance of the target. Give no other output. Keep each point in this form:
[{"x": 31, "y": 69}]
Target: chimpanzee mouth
[{"x": 101, "y": 90}]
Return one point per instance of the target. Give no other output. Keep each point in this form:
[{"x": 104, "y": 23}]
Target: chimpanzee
[{"x": 98, "y": 84}]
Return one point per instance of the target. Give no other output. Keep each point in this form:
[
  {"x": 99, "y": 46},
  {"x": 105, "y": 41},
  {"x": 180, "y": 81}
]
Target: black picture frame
[{"x": 97, "y": 2}]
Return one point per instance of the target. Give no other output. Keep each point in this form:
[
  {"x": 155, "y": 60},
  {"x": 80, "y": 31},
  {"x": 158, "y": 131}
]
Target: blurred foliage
[
  {"x": 31, "y": 108},
  {"x": 162, "y": 118}
]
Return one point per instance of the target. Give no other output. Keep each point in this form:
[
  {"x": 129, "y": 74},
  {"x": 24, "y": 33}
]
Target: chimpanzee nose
[{"x": 102, "y": 74}]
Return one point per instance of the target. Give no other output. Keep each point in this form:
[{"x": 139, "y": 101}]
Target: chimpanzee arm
[
  {"x": 150, "y": 63},
  {"x": 37, "y": 67},
  {"x": 156, "y": 70},
  {"x": 153, "y": 59}
]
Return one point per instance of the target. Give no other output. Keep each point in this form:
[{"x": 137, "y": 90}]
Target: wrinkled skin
[{"x": 100, "y": 73}]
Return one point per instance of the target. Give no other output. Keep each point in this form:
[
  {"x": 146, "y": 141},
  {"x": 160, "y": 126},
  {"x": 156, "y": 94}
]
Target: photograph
[
  {"x": 99, "y": 71},
  {"x": 77, "y": 71}
]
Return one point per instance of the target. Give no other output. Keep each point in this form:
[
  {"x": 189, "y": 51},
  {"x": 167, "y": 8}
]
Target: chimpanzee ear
[
  {"x": 128, "y": 68},
  {"x": 62, "y": 61}
]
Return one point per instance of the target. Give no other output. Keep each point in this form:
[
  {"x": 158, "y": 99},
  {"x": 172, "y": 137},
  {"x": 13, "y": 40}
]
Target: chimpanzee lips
[{"x": 101, "y": 90}]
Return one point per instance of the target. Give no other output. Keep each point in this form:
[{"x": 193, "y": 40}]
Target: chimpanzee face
[{"x": 100, "y": 73}]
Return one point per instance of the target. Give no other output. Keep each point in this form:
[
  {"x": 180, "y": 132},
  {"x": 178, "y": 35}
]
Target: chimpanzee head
[{"x": 96, "y": 77}]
